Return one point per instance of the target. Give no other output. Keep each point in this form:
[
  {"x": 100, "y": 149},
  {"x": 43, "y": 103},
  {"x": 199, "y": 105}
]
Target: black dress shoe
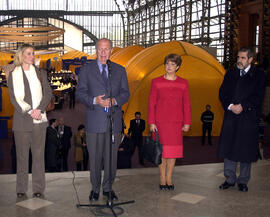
[
  {"x": 226, "y": 185},
  {"x": 93, "y": 196},
  {"x": 242, "y": 187},
  {"x": 162, "y": 187},
  {"x": 170, "y": 187},
  {"x": 113, "y": 195},
  {"x": 37, "y": 194},
  {"x": 20, "y": 195}
]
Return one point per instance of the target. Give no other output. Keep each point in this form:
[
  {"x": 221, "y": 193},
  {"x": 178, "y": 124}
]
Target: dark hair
[
  {"x": 248, "y": 50},
  {"x": 80, "y": 127},
  {"x": 208, "y": 106},
  {"x": 52, "y": 121},
  {"x": 175, "y": 58},
  {"x": 137, "y": 113}
]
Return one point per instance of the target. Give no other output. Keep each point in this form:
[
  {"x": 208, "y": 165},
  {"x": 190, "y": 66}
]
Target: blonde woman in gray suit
[{"x": 30, "y": 94}]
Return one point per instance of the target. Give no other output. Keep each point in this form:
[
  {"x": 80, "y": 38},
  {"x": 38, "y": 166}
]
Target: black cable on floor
[{"x": 76, "y": 192}]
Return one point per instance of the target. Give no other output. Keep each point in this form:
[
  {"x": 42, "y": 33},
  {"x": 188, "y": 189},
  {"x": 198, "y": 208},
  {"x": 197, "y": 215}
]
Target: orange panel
[{"x": 7, "y": 107}]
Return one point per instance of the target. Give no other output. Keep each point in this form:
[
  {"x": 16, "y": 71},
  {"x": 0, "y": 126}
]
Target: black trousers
[
  {"x": 207, "y": 128},
  {"x": 230, "y": 172},
  {"x": 65, "y": 158},
  {"x": 138, "y": 141},
  {"x": 85, "y": 158}
]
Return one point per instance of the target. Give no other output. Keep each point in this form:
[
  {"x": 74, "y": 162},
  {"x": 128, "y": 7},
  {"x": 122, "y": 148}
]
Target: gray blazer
[
  {"x": 23, "y": 121},
  {"x": 91, "y": 85}
]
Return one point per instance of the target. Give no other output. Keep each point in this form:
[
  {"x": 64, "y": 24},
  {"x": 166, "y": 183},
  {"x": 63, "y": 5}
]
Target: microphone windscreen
[{"x": 108, "y": 62}]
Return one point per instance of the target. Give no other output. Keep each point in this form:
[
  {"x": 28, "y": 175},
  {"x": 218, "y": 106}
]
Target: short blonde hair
[{"x": 18, "y": 60}]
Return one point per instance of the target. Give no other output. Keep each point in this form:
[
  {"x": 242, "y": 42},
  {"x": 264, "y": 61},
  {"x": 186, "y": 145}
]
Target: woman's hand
[
  {"x": 36, "y": 114},
  {"x": 186, "y": 127},
  {"x": 153, "y": 128}
]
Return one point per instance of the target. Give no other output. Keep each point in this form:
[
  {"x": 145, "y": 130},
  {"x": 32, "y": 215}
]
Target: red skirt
[{"x": 171, "y": 138}]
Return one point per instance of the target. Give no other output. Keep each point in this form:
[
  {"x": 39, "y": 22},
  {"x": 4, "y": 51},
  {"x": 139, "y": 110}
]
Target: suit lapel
[{"x": 251, "y": 71}]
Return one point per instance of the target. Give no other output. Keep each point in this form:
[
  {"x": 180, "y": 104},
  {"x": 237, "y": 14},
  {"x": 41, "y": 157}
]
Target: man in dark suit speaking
[
  {"x": 93, "y": 91},
  {"x": 241, "y": 95}
]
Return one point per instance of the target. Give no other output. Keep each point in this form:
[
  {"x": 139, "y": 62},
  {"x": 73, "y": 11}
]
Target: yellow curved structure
[
  {"x": 125, "y": 55},
  {"x": 5, "y": 58},
  {"x": 201, "y": 69},
  {"x": 73, "y": 54}
]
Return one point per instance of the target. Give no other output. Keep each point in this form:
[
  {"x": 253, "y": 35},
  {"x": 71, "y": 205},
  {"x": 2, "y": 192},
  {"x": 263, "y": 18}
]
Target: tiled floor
[{"x": 196, "y": 194}]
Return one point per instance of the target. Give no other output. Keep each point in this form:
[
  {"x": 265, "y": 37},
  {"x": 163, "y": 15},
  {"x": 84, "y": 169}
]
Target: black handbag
[{"x": 152, "y": 149}]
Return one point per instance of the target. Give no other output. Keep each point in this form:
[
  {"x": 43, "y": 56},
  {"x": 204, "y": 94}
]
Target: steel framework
[
  {"x": 200, "y": 22},
  {"x": 96, "y": 19}
]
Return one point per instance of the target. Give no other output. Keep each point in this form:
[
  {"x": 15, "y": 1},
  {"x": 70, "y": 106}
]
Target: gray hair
[
  {"x": 248, "y": 50},
  {"x": 104, "y": 39}
]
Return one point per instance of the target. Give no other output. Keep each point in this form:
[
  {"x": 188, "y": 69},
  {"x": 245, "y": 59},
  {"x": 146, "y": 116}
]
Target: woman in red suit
[{"x": 169, "y": 113}]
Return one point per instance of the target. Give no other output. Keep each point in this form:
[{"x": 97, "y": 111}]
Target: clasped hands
[
  {"x": 236, "y": 109},
  {"x": 36, "y": 114},
  {"x": 105, "y": 102}
]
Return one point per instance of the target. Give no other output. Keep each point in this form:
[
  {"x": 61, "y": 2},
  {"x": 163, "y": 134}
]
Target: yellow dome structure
[
  {"x": 201, "y": 69},
  {"x": 125, "y": 55},
  {"x": 75, "y": 53}
]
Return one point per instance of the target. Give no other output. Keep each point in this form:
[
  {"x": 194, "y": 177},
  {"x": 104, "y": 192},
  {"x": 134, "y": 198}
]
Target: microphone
[{"x": 108, "y": 62}]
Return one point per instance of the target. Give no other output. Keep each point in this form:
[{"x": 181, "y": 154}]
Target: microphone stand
[{"x": 109, "y": 204}]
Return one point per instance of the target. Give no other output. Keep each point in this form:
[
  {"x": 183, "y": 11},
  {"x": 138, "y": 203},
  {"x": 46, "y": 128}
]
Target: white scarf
[{"x": 35, "y": 88}]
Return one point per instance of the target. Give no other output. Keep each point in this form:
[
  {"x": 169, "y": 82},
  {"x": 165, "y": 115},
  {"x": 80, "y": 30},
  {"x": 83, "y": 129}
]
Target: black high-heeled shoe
[
  {"x": 170, "y": 187},
  {"x": 162, "y": 187}
]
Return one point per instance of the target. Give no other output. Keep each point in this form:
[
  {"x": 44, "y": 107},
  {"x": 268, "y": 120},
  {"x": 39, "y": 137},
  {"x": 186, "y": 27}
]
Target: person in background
[
  {"x": 123, "y": 123},
  {"x": 135, "y": 131},
  {"x": 52, "y": 147},
  {"x": 241, "y": 95},
  {"x": 30, "y": 94},
  {"x": 81, "y": 152},
  {"x": 207, "y": 118},
  {"x": 65, "y": 135},
  {"x": 124, "y": 153},
  {"x": 72, "y": 91},
  {"x": 169, "y": 113}
]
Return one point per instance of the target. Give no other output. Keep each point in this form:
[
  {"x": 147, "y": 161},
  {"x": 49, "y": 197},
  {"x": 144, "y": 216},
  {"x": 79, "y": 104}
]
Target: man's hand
[
  {"x": 36, "y": 114},
  {"x": 237, "y": 109},
  {"x": 103, "y": 102},
  {"x": 113, "y": 101}
]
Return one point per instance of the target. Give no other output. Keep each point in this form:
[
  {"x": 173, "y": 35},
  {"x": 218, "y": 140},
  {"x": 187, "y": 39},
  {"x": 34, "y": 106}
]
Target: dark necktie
[
  {"x": 242, "y": 72},
  {"x": 104, "y": 74}
]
